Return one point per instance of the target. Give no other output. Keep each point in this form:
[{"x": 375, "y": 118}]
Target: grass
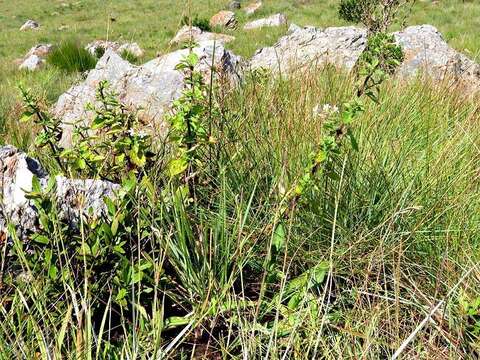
[
  {"x": 71, "y": 57},
  {"x": 388, "y": 238},
  {"x": 395, "y": 232}
]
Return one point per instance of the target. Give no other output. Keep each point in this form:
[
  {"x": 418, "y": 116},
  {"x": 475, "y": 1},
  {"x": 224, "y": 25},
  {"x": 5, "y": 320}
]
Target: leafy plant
[
  {"x": 189, "y": 128},
  {"x": 112, "y": 144}
]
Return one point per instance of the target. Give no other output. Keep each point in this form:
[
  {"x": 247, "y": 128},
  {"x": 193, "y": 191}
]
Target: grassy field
[{"x": 387, "y": 232}]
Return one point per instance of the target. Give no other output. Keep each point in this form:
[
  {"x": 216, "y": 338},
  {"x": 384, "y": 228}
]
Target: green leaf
[
  {"x": 114, "y": 226},
  {"x": 41, "y": 239},
  {"x": 121, "y": 294},
  {"x": 52, "y": 272},
  {"x": 26, "y": 116},
  {"x": 278, "y": 241},
  {"x": 177, "y": 166}
]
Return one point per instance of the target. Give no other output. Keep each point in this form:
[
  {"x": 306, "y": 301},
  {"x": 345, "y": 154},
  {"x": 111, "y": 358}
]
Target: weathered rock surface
[
  {"x": 311, "y": 46},
  {"x": 132, "y": 48},
  {"x": 34, "y": 59},
  {"x": 185, "y": 34},
  {"x": 425, "y": 52},
  {"x": 224, "y": 19},
  {"x": 74, "y": 197},
  {"x": 41, "y": 50},
  {"x": 100, "y": 46},
  {"x": 151, "y": 87},
  {"x": 32, "y": 63},
  {"x": 30, "y": 25},
  {"x": 234, "y": 5},
  {"x": 251, "y": 8},
  {"x": 271, "y": 21}
]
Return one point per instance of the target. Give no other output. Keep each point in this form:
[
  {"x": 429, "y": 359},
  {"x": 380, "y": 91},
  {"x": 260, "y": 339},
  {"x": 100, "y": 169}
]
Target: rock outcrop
[
  {"x": 224, "y": 19},
  {"x": 132, "y": 48},
  {"x": 252, "y": 8},
  {"x": 74, "y": 198},
  {"x": 100, "y": 46},
  {"x": 425, "y": 51},
  {"x": 271, "y": 21},
  {"x": 234, "y": 5},
  {"x": 149, "y": 88},
  {"x": 197, "y": 35},
  {"x": 340, "y": 46},
  {"x": 41, "y": 50},
  {"x": 32, "y": 63},
  {"x": 35, "y": 57},
  {"x": 30, "y": 25}
]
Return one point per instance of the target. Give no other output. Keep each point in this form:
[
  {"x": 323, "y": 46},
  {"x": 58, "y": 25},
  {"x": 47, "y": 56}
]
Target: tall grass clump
[{"x": 70, "y": 56}]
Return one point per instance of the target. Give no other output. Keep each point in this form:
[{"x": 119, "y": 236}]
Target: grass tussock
[{"x": 71, "y": 57}]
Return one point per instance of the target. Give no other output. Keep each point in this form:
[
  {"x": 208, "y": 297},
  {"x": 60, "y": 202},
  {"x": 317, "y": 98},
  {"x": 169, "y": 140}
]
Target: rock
[
  {"x": 98, "y": 47},
  {"x": 234, "y": 5},
  {"x": 425, "y": 51},
  {"x": 32, "y": 63},
  {"x": 16, "y": 173},
  {"x": 74, "y": 197},
  {"x": 149, "y": 88},
  {"x": 225, "y": 19},
  {"x": 185, "y": 34},
  {"x": 41, "y": 50},
  {"x": 250, "y": 9},
  {"x": 34, "y": 59},
  {"x": 340, "y": 46},
  {"x": 292, "y": 28},
  {"x": 79, "y": 197},
  {"x": 132, "y": 48},
  {"x": 271, "y": 21},
  {"x": 30, "y": 25}
]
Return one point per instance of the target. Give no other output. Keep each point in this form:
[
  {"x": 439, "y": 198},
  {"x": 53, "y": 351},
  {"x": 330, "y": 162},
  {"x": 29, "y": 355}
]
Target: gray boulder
[
  {"x": 74, "y": 198},
  {"x": 97, "y": 46},
  {"x": 271, "y": 21},
  {"x": 32, "y": 63},
  {"x": 41, "y": 50},
  {"x": 224, "y": 19},
  {"x": 234, "y": 5},
  {"x": 310, "y": 47},
  {"x": 149, "y": 88},
  {"x": 426, "y": 52},
  {"x": 197, "y": 35},
  {"x": 100, "y": 46},
  {"x": 34, "y": 59},
  {"x": 30, "y": 25},
  {"x": 252, "y": 8}
]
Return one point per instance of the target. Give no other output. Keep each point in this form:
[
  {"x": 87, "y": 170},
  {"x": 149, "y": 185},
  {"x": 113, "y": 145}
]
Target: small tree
[{"x": 376, "y": 15}]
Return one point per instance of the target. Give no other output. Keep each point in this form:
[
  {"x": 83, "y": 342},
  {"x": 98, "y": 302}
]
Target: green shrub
[{"x": 71, "y": 57}]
